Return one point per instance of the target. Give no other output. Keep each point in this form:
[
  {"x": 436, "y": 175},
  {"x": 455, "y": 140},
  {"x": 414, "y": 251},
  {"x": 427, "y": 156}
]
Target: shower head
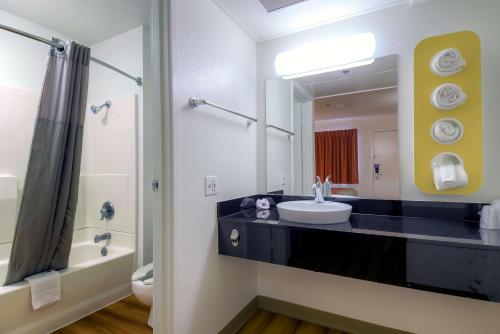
[{"x": 96, "y": 109}]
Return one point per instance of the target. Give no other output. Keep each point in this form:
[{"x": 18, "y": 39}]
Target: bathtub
[{"x": 91, "y": 282}]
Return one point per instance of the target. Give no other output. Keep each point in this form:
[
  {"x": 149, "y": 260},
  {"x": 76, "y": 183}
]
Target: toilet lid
[{"x": 141, "y": 272}]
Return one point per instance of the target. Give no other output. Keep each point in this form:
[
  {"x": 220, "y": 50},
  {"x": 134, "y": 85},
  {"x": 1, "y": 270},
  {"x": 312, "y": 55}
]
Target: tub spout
[{"x": 101, "y": 237}]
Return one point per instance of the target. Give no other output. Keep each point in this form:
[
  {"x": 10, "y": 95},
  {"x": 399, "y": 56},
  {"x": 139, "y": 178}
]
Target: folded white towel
[
  {"x": 447, "y": 62},
  {"x": 490, "y": 237},
  {"x": 45, "y": 289},
  {"x": 496, "y": 205},
  {"x": 448, "y": 96},
  {"x": 489, "y": 218},
  {"x": 449, "y": 176},
  {"x": 462, "y": 177}
]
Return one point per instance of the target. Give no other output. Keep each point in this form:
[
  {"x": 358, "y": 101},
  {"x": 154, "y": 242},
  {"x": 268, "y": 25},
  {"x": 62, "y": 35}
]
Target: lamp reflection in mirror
[{"x": 326, "y": 56}]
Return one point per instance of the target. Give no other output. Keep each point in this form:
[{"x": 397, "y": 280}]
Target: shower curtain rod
[{"x": 138, "y": 80}]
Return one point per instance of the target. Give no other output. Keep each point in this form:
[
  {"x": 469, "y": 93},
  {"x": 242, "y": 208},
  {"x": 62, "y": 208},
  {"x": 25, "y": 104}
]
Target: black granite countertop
[
  {"x": 423, "y": 245},
  {"x": 454, "y": 231}
]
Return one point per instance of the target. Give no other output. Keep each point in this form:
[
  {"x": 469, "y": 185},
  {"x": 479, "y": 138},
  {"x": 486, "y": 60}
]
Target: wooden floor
[
  {"x": 128, "y": 316},
  {"x": 264, "y": 322}
]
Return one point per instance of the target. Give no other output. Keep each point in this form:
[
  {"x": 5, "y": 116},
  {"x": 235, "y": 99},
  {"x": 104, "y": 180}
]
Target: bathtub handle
[{"x": 107, "y": 211}]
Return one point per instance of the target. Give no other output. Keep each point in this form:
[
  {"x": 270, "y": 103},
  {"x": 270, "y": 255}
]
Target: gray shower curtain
[{"x": 44, "y": 230}]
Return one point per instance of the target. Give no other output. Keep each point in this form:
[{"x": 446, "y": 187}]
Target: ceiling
[
  {"x": 381, "y": 73},
  {"x": 260, "y": 24},
  {"x": 380, "y": 102},
  {"x": 87, "y": 21}
]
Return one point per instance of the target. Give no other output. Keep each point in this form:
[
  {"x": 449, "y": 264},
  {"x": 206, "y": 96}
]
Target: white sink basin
[{"x": 310, "y": 212}]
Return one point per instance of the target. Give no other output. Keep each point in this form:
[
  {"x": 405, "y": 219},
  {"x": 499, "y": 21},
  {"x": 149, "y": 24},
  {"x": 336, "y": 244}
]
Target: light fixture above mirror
[{"x": 326, "y": 56}]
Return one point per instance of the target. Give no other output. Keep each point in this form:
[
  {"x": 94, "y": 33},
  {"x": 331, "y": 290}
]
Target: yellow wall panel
[{"x": 470, "y": 146}]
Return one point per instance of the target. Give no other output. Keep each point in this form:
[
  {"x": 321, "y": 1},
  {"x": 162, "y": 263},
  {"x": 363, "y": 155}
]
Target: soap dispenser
[
  {"x": 327, "y": 187},
  {"x": 318, "y": 190}
]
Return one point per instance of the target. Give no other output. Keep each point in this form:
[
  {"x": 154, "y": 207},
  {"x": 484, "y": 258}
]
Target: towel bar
[
  {"x": 289, "y": 133},
  {"x": 193, "y": 102}
]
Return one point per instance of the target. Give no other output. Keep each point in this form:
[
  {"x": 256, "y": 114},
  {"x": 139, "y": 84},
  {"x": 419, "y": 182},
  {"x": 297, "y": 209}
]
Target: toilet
[{"x": 142, "y": 287}]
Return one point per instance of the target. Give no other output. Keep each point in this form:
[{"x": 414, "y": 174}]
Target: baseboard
[
  {"x": 322, "y": 318},
  {"x": 306, "y": 314},
  {"x": 241, "y": 318}
]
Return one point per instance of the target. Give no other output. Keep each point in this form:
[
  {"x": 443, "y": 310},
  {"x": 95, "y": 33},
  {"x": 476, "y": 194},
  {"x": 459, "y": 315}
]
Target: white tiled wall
[
  {"x": 108, "y": 171},
  {"x": 8, "y": 207},
  {"x": 97, "y": 189}
]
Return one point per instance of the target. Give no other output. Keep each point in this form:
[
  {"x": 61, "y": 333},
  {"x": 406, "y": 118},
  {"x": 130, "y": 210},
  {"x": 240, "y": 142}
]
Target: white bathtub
[{"x": 91, "y": 282}]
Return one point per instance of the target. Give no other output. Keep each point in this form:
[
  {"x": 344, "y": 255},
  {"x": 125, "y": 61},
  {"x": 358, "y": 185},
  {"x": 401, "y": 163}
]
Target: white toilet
[{"x": 142, "y": 287}]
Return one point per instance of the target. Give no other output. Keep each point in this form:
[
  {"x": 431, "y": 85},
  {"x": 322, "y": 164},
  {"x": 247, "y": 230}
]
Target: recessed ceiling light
[{"x": 272, "y": 5}]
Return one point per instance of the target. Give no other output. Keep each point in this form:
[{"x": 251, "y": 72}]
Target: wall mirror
[{"x": 340, "y": 125}]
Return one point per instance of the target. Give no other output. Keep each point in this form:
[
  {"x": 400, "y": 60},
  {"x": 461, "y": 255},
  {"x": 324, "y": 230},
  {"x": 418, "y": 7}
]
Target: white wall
[
  {"x": 365, "y": 126},
  {"x": 214, "y": 59},
  {"x": 397, "y": 31},
  {"x": 23, "y": 61}
]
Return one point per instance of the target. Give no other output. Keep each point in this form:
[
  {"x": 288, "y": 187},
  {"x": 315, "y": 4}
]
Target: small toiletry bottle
[{"x": 327, "y": 187}]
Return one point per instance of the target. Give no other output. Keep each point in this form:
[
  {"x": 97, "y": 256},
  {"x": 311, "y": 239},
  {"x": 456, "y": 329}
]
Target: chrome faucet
[
  {"x": 101, "y": 237},
  {"x": 318, "y": 195}
]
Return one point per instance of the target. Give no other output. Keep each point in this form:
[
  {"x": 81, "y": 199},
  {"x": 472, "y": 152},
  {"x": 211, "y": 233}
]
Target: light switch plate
[{"x": 210, "y": 185}]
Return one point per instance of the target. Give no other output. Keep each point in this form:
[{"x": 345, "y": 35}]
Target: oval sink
[{"x": 311, "y": 212}]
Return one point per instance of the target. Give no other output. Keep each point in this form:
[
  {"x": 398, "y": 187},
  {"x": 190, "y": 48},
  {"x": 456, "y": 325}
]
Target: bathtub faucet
[{"x": 101, "y": 237}]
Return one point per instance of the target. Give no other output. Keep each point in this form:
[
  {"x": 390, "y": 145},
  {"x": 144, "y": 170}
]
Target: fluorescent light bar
[
  {"x": 331, "y": 69},
  {"x": 326, "y": 56}
]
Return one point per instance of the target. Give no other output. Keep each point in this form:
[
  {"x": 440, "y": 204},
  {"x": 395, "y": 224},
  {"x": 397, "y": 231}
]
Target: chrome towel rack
[
  {"x": 193, "y": 102},
  {"x": 289, "y": 133}
]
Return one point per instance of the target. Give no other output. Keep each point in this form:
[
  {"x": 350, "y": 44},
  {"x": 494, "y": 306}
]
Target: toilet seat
[
  {"x": 141, "y": 272},
  {"x": 143, "y": 290}
]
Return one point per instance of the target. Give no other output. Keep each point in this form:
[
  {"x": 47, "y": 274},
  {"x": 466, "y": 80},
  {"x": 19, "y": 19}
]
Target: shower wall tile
[
  {"x": 8, "y": 207},
  {"x": 109, "y": 165},
  {"x": 99, "y": 188},
  {"x": 17, "y": 120},
  {"x": 5, "y": 253}
]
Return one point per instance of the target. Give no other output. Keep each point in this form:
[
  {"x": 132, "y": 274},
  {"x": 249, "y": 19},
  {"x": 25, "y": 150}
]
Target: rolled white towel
[
  {"x": 263, "y": 203},
  {"x": 263, "y": 214},
  {"x": 447, "y": 62},
  {"x": 448, "y": 96},
  {"x": 447, "y": 130}
]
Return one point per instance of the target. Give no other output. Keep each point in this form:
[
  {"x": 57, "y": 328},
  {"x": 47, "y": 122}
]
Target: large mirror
[{"x": 341, "y": 125}]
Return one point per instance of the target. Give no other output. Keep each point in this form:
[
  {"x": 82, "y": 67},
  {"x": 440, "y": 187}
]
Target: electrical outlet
[
  {"x": 283, "y": 179},
  {"x": 210, "y": 185}
]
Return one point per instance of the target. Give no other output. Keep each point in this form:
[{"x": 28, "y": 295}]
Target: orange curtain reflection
[{"x": 337, "y": 155}]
